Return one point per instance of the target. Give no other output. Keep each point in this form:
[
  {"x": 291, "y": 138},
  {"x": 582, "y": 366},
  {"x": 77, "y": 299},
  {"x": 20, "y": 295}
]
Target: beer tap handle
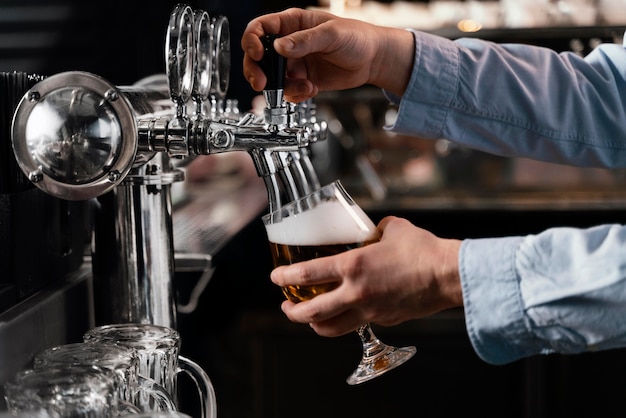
[{"x": 274, "y": 66}]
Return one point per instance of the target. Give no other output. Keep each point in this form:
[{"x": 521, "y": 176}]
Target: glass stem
[{"x": 371, "y": 344}]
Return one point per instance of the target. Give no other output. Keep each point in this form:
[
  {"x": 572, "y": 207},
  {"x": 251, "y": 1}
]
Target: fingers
[
  {"x": 301, "y": 36},
  {"x": 330, "y": 314},
  {"x": 308, "y": 312},
  {"x": 253, "y": 50},
  {"x": 305, "y": 273},
  {"x": 387, "y": 221},
  {"x": 253, "y": 73},
  {"x": 306, "y": 41},
  {"x": 308, "y": 273},
  {"x": 299, "y": 90},
  {"x": 250, "y": 40},
  {"x": 296, "y": 89}
]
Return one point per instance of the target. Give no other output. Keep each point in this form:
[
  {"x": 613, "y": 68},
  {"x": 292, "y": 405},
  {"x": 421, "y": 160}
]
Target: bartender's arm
[{"x": 563, "y": 290}]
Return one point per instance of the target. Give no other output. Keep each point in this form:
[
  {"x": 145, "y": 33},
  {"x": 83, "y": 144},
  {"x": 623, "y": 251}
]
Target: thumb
[{"x": 304, "y": 42}]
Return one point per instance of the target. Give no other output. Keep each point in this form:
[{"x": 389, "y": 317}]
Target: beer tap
[
  {"x": 275, "y": 117},
  {"x": 297, "y": 170},
  {"x": 293, "y": 166},
  {"x": 79, "y": 137}
]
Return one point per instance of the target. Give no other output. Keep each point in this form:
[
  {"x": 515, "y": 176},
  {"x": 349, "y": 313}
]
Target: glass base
[{"x": 383, "y": 361}]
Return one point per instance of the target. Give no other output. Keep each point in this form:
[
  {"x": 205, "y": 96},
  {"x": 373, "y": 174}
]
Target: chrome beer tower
[{"x": 78, "y": 137}]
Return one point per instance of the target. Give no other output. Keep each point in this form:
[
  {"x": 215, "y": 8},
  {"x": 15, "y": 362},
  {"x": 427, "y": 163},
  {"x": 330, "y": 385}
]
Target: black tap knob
[{"x": 273, "y": 65}]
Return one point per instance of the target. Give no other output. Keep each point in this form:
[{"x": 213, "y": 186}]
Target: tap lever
[{"x": 274, "y": 65}]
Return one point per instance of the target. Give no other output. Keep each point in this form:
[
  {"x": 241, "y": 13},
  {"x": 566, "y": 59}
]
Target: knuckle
[
  {"x": 304, "y": 273},
  {"x": 353, "y": 264},
  {"x": 312, "y": 313},
  {"x": 353, "y": 271}
]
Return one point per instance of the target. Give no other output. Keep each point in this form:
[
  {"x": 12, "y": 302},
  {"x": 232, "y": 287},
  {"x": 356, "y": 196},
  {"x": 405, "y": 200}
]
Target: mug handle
[
  {"x": 208, "y": 403},
  {"x": 161, "y": 397}
]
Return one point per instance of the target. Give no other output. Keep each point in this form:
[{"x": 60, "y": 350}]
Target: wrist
[
  {"x": 392, "y": 68},
  {"x": 449, "y": 277}
]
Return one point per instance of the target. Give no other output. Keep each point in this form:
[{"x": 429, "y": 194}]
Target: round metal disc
[
  {"x": 74, "y": 135},
  {"x": 221, "y": 56},
  {"x": 180, "y": 52},
  {"x": 204, "y": 50}
]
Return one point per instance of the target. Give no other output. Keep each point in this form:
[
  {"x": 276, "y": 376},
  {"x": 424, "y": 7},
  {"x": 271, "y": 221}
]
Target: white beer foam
[{"x": 328, "y": 223}]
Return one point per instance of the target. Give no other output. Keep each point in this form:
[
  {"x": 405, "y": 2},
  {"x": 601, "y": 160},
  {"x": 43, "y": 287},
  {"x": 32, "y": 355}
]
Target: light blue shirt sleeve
[
  {"x": 518, "y": 100},
  {"x": 563, "y": 290}
]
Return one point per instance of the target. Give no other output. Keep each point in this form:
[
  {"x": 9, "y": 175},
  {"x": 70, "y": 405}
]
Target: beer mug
[
  {"x": 157, "y": 348},
  {"x": 66, "y": 392},
  {"x": 324, "y": 223},
  {"x": 122, "y": 363}
]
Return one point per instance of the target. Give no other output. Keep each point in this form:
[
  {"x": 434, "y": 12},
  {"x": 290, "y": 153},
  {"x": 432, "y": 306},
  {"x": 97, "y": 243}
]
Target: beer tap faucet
[
  {"x": 274, "y": 66},
  {"x": 79, "y": 137},
  {"x": 276, "y": 117},
  {"x": 292, "y": 166},
  {"x": 297, "y": 170}
]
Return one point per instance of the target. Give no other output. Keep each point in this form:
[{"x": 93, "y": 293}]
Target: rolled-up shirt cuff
[
  {"x": 426, "y": 102},
  {"x": 494, "y": 309}
]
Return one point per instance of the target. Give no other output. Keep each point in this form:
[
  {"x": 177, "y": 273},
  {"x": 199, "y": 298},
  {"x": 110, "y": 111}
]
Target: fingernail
[{"x": 286, "y": 43}]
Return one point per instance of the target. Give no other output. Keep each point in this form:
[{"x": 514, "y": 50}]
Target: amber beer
[
  {"x": 323, "y": 230},
  {"x": 324, "y": 223}
]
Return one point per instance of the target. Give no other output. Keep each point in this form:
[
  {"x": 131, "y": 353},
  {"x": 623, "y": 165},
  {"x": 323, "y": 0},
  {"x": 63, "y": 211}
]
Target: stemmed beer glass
[{"x": 327, "y": 222}]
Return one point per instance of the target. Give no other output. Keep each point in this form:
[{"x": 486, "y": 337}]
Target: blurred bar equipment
[{"x": 78, "y": 137}]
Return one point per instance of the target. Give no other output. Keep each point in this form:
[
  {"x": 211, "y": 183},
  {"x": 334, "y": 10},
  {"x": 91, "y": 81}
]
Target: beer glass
[
  {"x": 158, "y": 350},
  {"x": 323, "y": 223},
  {"x": 121, "y": 362},
  {"x": 66, "y": 392}
]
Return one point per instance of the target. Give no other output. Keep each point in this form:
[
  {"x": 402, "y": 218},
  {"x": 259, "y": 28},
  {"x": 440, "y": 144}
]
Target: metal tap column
[
  {"x": 133, "y": 262},
  {"x": 133, "y": 259}
]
